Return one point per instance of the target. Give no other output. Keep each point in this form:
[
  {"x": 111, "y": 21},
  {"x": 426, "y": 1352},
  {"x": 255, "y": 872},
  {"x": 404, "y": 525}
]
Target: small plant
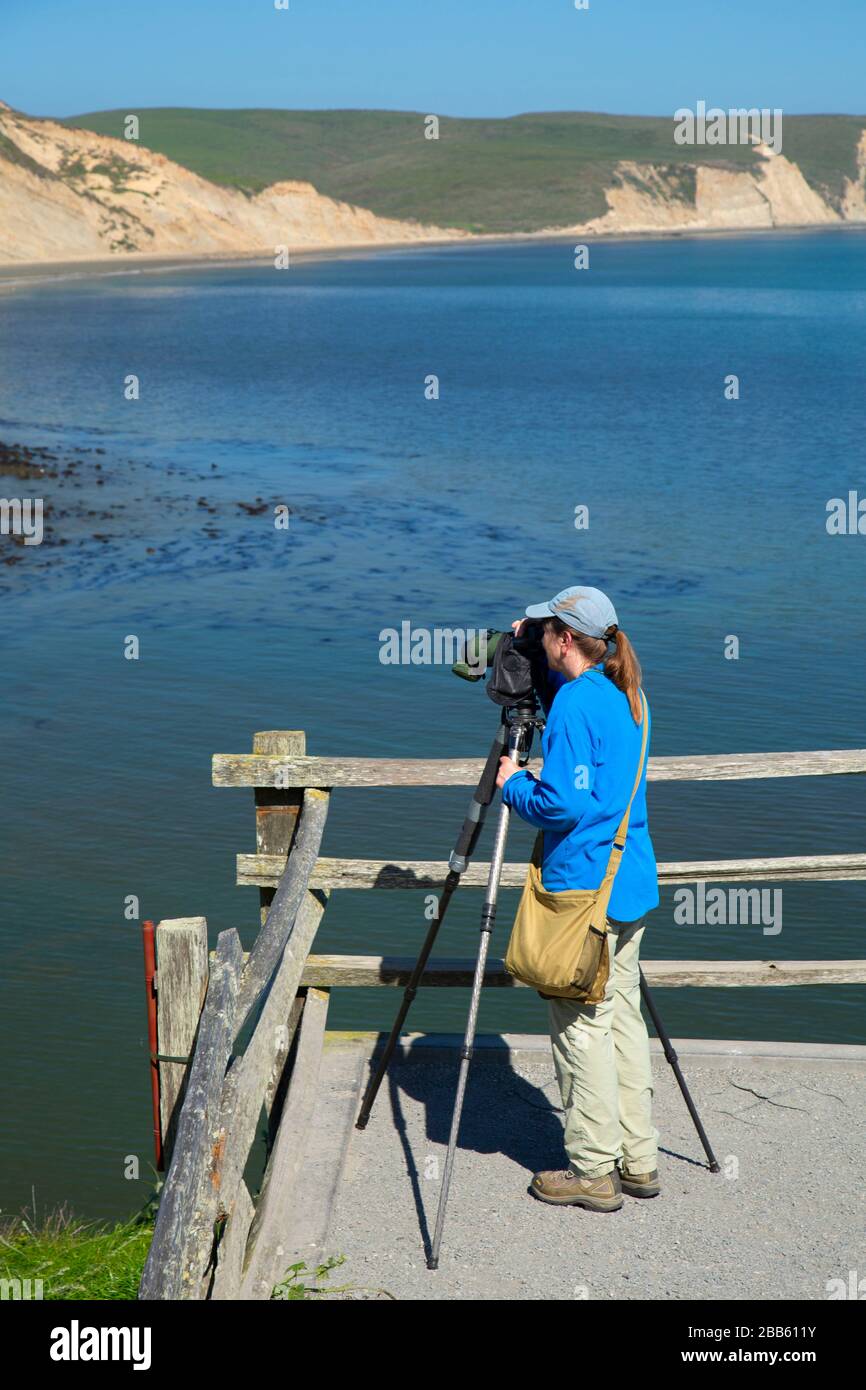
[{"x": 293, "y": 1286}]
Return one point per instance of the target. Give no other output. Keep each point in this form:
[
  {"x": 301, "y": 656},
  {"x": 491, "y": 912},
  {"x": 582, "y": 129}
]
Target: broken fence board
[
  {"x": 232, "y": 1247},
  {"x": 267, "y": 1254},
  {"x": 326, "y": 1145},
  {"x": 171, "y": 1269},
  {"x": 284, "y": 1034},
  {"x": 252, "y": 1080}
]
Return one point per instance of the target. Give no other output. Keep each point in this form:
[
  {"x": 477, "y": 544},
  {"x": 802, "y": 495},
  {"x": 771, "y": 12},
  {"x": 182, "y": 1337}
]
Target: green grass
[
  {"x": 76, "y": 1259},
  {"x": 511, "y": 175}
]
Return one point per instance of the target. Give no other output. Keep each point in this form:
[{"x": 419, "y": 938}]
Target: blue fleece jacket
[{"x": 590, "y": 747}]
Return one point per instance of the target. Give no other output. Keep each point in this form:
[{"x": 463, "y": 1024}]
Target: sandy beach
[{"x": 24, "y": 274}]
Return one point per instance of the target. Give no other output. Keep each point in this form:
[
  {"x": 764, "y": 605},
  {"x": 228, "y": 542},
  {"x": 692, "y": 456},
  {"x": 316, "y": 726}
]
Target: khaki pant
[{"x": 602, "y": 1060}]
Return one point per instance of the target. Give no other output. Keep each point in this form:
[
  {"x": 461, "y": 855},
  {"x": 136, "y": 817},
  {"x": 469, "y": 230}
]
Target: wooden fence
[{"x": 212, "y": 1241}]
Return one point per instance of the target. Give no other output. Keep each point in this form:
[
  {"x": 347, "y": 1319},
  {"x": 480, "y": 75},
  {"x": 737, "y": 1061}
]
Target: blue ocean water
[{"x": 558, "y": 388}]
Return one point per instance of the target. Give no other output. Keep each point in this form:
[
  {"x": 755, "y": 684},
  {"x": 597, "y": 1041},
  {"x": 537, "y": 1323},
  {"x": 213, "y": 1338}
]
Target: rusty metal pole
[{"x": 147, "y": 932}]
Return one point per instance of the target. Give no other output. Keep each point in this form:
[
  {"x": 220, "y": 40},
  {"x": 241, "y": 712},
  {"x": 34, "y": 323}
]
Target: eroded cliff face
[
  {"x": 70, "y": 195},
  {"x": 854, "y": 195},
  {"x": 651, "y": 198}
]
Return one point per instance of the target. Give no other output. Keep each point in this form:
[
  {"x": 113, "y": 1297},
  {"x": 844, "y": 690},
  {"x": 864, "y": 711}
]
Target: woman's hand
[
  {"x": 518, "y": 626},
  {"x": 507, "y": 768}
]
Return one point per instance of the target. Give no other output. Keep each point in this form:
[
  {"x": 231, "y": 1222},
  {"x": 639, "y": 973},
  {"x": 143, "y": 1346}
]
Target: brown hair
[{"x": 621, "y": 665}]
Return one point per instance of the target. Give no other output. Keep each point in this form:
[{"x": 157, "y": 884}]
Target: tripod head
[
  {"x": 519, "y": 669},
  {"x": 521, "y": 721}
]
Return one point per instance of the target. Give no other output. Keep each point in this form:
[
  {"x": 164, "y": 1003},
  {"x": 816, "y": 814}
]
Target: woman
[{"x": 591, "y": 747}]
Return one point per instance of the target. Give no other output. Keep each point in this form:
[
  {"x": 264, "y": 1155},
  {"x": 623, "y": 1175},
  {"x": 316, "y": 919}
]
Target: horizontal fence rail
[
  {"x": 265, "y": 870},
  {"x": 362, "y": 972},
  {"x": 326, "y": 971},
  {"x": 261, "y": 770}
]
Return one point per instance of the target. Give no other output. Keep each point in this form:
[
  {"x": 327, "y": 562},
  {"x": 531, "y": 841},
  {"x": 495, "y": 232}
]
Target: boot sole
[
  {"x": 588, "y": 1203},
  {"x": 639, "y": 1189}
]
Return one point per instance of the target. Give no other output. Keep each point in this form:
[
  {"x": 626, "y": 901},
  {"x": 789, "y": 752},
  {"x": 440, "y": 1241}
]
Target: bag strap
[
  {"x": 621, "y": 835},
  {"x": 622, "y": 832}
]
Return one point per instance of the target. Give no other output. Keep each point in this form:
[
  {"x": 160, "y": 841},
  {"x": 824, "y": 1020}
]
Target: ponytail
[
  {"x": 623, "y": 668},
  {"x": 620, "y": 666}
]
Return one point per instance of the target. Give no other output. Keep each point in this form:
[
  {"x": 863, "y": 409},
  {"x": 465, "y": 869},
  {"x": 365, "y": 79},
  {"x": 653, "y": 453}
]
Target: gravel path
[{"x": 786, "y": 1214}]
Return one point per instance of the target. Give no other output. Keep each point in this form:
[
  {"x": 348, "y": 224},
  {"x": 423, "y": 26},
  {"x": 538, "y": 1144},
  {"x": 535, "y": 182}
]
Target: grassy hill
[{"x": 508, "y": 175}]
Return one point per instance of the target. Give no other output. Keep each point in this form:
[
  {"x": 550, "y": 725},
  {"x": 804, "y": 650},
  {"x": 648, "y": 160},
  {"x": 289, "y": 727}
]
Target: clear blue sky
[{"x": 450, "y": 57}]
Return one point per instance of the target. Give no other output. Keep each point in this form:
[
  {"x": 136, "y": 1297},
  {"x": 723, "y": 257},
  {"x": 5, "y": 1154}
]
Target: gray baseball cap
[{"x": 586, "y": 610}]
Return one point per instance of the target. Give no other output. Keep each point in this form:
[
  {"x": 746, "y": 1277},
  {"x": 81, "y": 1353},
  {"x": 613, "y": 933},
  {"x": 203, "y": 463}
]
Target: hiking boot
[
  {"x": 640, "y": 1184},
  {"x": 562, "y": 1187}
]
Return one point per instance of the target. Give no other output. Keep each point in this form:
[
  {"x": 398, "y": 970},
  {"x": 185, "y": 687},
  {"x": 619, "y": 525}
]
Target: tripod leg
[
  {"x": 671, "y": 1057},
  {"x": 460, "y": 856},
  {"x": 488, "y": 917}
]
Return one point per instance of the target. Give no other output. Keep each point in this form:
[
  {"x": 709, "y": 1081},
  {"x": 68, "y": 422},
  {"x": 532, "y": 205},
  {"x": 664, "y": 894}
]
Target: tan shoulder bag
[{"x": 559, "y": 940}]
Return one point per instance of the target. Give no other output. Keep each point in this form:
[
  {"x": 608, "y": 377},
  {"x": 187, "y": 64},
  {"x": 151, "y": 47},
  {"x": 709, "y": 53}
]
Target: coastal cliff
[{"x": 68, "y": 193}]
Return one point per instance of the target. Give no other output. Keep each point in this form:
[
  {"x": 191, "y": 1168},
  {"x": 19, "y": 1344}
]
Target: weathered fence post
[
  {"x": 167, "y": 1273},
  {"x": 250, "y": 1079},
  {"x": 181, "y": 985},
  {"x": 277, "y": 809},
  {"x": 270, "y": 977},
  {"x": 287, "y": 902}
]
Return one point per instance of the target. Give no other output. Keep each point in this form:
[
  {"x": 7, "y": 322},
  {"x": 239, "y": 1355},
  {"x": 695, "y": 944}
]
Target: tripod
[{"x": 522, "y": 721}]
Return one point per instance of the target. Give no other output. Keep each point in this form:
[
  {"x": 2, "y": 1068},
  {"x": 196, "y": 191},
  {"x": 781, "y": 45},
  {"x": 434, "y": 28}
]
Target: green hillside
[{"x": 517, "y": 174}]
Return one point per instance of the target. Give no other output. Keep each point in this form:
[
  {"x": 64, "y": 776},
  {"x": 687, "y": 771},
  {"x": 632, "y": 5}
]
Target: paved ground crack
[
  {"x": 769, "y": 1100},
  {"x": 832, "y": 1094}
]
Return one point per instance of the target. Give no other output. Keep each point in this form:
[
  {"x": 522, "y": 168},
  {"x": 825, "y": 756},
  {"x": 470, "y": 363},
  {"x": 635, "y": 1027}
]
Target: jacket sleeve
[{"x": 558, "y": 798}]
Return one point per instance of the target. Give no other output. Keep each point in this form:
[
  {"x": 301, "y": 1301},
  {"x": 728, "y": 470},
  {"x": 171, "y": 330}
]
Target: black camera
[{"x": 517, "y": 666}]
